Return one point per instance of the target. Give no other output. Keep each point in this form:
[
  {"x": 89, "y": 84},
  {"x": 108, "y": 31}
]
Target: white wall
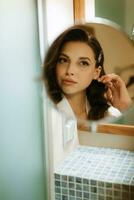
[
  {"x": 89, "y": 10},
  {"x": 59, "y": 15},
  {"x": 106, "y": 140}
]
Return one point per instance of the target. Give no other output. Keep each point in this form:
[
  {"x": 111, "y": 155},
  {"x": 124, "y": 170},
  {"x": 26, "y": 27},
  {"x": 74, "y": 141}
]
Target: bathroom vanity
[{"x": 95, "y": 173}]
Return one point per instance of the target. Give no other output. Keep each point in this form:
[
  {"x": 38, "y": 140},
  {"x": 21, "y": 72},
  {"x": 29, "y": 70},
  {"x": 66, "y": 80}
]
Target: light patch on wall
[
  {"x": 89, "y": 10},
  {"x": 59, "y": 17}
]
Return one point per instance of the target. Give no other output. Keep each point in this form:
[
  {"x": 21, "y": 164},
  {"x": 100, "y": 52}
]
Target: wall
[
  {"x": 89, "y": 10},
  {"x": 129, "y": 15},
  {"x": 112, "y": 10},
  {"x": 59, "y": 16},
  {"x": 22, "y": 174},
  {"x": 119, "y": 11}
]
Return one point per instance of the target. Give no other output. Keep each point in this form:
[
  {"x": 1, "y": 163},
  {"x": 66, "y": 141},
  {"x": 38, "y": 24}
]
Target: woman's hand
[{"x": 117, "y": 93}]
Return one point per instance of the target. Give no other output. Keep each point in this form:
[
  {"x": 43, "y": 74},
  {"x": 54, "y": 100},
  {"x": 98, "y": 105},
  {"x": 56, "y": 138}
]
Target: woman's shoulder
[
  {"x": 112, "y": 111},
  {"x": 65, "y": 107}
]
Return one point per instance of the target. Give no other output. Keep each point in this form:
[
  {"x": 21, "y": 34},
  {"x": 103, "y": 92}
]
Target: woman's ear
[{"x": 97, "y": 72}]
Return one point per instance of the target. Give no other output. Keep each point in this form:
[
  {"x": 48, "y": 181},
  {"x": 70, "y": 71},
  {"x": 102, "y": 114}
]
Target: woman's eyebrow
[
  {"x": 85, "y": 58},
  {"x": 81, "y": 58},
  {"x": 62, "y": 54}
]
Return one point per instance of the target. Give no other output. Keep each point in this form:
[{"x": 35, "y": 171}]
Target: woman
[{"x": 75, "y": 78}]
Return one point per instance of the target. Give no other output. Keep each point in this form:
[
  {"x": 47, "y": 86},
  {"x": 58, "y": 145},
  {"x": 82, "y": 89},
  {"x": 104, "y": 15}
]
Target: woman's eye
[
  {"x": 62, "y": 60},
  {"x": 84, "y": 63}
]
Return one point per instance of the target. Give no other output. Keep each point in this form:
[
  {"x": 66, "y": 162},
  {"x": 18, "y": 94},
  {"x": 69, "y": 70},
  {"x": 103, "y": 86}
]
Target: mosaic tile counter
[{"x": 96, "y": 173}]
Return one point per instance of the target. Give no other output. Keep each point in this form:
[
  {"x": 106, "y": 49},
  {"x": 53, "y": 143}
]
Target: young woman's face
[{"x": 75, "y": 68}]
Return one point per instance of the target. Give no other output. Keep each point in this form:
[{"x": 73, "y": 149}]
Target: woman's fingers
[
  {"x": 111, "y": 80},
  {"x": 109, "y": 95},
  {"x": 117, "y": 92},
  {"x": 109, "y": 77}
]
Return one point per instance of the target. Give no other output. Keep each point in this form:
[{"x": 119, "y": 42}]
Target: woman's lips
[{"x": 68, "y": 82}]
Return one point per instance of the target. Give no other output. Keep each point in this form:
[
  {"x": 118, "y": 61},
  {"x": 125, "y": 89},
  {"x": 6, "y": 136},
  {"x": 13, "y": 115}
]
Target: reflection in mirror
[
  {"x": 111, "y": 125},
  {"x": 77, "y": 78},
  {"x": 120, "y": 11},
  {"x": 118, "y": 50}
]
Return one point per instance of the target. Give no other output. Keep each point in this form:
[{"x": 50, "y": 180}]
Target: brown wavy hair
[{"x": 96, "y": 90}]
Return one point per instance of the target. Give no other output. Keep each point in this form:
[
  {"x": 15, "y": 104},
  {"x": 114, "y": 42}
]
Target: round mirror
[{"x": 118, "y": 53}]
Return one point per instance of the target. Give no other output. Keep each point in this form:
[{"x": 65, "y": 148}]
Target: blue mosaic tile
[{"x": 96, "y": 173}]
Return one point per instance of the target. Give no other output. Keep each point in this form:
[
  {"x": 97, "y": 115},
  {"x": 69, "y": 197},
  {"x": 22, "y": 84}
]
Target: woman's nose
[{"x": 70, "y": 69}]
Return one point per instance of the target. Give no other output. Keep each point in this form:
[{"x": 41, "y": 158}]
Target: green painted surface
[{"x": 113, "y": 10}]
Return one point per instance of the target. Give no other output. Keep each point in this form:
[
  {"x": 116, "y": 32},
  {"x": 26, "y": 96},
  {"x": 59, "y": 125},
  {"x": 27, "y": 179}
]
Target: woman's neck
[{"x": 78, "y": 105}]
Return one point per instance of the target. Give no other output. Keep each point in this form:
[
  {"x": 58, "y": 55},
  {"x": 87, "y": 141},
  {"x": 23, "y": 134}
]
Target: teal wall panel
[
  {"x": 112, "y": 10},
  {"x": 22, "y": 166}
]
